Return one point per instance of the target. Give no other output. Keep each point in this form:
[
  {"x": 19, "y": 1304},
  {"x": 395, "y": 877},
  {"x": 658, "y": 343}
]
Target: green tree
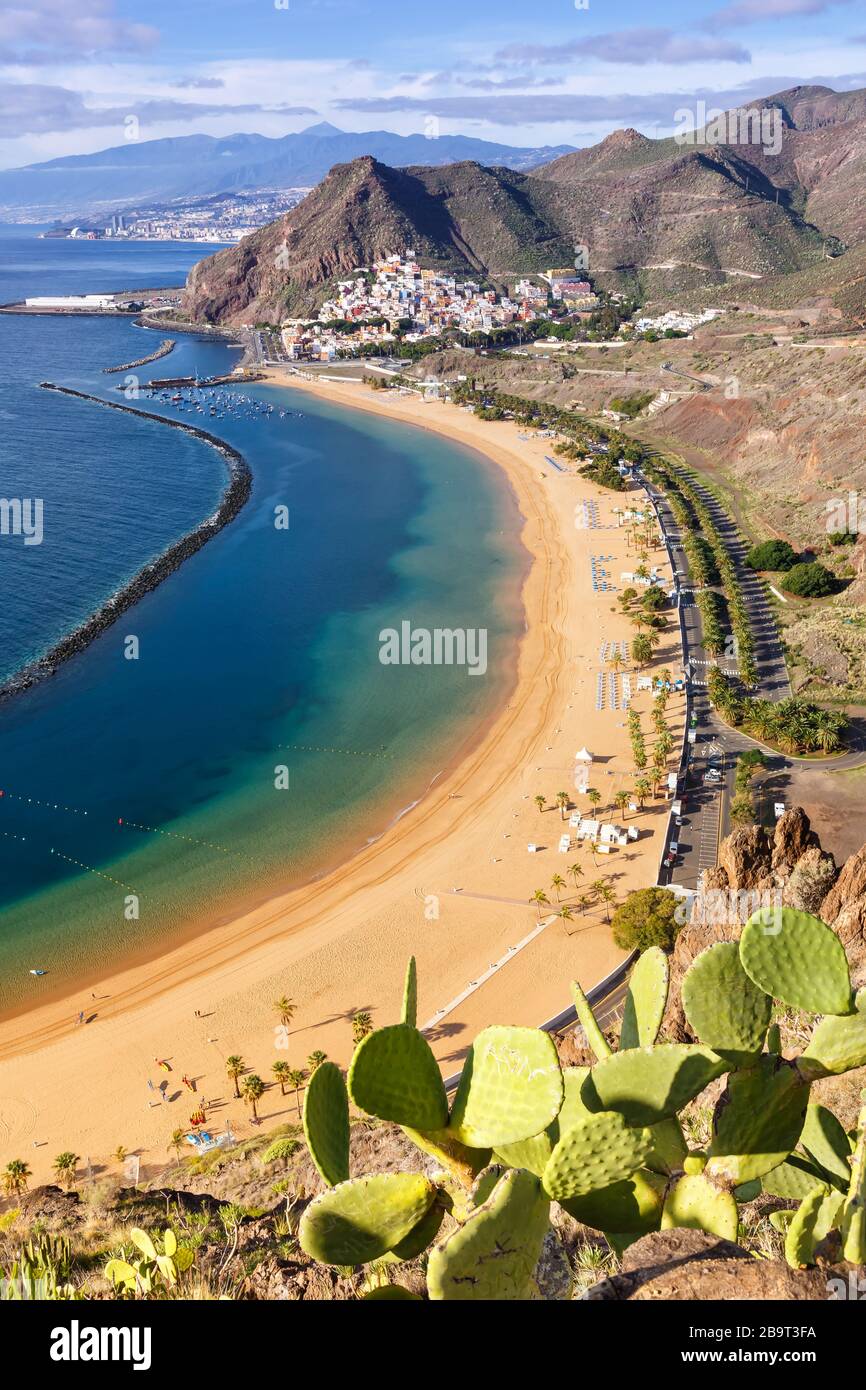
[
  {"x": 235, "y": 1067},
  {"x": 252, "y": 1090},
  {"x": 281, "y": 1071},
  {"x": 809, "y": 581},
  {"x": 557, "y": 882},
  {"x": 771, "y": 555},
  {"x": 563, "y": 801},
  {"x": 362, "y": 1024},
  {"x": 648, "y": 917},
  {"x": 316, "y": 1059},
  {"x": 15, "y": 1177},
  {"x": 65, "y": 1166},
  {"x": 286, "y": 1008}
]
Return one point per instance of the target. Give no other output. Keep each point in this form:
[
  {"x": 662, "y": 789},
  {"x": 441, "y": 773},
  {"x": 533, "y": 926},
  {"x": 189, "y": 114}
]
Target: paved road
[{"x": 707, "y": 808}]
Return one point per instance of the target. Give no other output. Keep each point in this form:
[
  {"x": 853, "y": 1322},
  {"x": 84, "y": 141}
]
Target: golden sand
[{"x": 340, "y": 945}]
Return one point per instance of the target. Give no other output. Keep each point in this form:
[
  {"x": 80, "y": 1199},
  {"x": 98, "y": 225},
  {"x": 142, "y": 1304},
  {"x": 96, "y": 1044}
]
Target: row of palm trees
[{"x": 600, "y": 889}]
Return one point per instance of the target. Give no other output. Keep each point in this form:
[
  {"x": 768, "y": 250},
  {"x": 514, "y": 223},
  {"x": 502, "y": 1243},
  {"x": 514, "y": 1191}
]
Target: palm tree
[
  {"x": 281, "y": 1072},
  {"x": 540, "y": 899},
  {"x": 286, "y": 1008},
  {"x": 566, "y": 913},
  {"x": 296, "y": 1079},
  {"x": 556, "y": 883},
  {"x": 607, "y": 896},
  {"x": 120, "y": 1154},
  {"x": 362, "y": 1025},
  {"x": 64, "y": 1167},
  {"x": 621, "y": 800},
  {"x": 176, "y": 1141},
  {"x": 540, "y": 801},
  {"x": 593, "y": 797},
  {"x": 235, "y": 1067},
  {"x": 15, "y": 1176},
  {"x": 583, "y": 902},
  {"x": 642, "y": 790},
  {"x": 253, "y": 1089},
  {"x": 563, "y": 801},
  {"x": 316, "y": 1059},
  {"x": 576, "y": 871}
]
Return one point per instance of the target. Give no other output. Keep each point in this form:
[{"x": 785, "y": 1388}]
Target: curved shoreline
[
  {"x": 150, "y": 576},
  {"x": 166, "y": 346}
]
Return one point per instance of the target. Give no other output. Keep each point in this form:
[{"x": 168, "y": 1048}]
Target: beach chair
[
  {"x": 564, "y": 844},
  {"x": 532, "y": 849}
]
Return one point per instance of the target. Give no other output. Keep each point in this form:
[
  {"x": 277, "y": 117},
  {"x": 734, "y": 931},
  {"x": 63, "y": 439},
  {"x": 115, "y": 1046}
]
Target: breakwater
[
  {"x": 235, "y": 496},
  {"x": 163, "y": 350}
]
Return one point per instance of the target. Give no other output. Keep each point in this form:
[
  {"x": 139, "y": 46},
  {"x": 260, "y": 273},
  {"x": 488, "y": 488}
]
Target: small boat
[{"x": 38, "y": 972}]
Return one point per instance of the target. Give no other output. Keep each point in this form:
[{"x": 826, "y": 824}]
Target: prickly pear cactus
[
  {"x": 724, "y": 1007},
  {"x": 596, "y": 1152},
  {"x": 326, "y": 1122},
  {"x": 631, "y": 1207},
  {"x": 826, "y": 1143},
  {"x": 649, "y": 1084},
  {"x": 801, "y": 1239},
  {"x": 757, "y": 1122},
  {"x": 533, "y": 1153},
  {"x": 838, "y": 1044},
  {"x": 510, "y": 1088},
  {"x": 493, "y": 1255},
  {"x": 854, "y": 1210},
  {"x": 395, "y": 1076},
  {"x": 646, "y": 1000},
  {"x": 796, "y": 958},
  {"x": 695, "y": 1202},
  {"x": 362, "y": 1219},
  {"x": 410, "y": 994},
  {"x": 594, "y": 1034}
]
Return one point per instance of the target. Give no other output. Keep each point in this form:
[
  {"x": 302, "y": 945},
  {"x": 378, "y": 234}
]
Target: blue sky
[{"x": 547, "y": 72}]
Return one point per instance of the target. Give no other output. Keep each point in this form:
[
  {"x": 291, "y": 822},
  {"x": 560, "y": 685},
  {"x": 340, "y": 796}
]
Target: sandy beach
[{"x": 450, "y": 882}]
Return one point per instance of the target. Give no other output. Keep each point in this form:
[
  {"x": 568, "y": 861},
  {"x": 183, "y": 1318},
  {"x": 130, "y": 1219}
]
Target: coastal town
[{"x": 398, "y": 299}]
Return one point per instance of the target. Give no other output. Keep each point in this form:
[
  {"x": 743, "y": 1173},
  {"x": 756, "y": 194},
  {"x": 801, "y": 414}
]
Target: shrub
[
  {"x": 810, "y": 581},
  {"x": 772, "y": 555},
  {"x": 646, "y": 918}
]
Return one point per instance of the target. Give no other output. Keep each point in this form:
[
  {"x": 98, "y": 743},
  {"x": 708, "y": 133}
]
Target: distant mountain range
[
  {"x": 653, "y": 214},
  {"x": 160, "y": 171}
]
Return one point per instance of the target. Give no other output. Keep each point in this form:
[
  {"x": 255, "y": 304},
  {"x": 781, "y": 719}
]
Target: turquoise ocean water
[{"x": 156, "y": 777}]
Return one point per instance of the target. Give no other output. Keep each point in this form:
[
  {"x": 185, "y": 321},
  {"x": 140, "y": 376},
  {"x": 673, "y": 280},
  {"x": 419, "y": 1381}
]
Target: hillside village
[{"x": 397, "y": 297}]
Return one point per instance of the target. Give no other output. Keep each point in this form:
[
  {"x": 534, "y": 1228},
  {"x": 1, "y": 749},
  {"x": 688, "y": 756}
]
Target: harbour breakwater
[
  {"x": 165, "y": 347},
  {"x": 234, "y": 498}
]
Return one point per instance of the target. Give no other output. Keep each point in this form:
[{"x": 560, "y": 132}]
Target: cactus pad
[
  {"x": 649, "y": 1084},
  {"x": 631, "y": 1207},
  {"x": 693, "y": 1201},
  {"x": 724, "y": 1007},
  {"x": 758, "y": 1121},
  {"x": 791, "y": 1180},
  {"x": 395, "y": 1076},
  {"x": 326, "y": 1123},
  {"x": 646, "y": 1000},
  {"x": 669, "y": 1148},
  {"x": 796, "y": 958},
  {"x": 801, "y": 1239},
  {"x": 494, "y": 1254},
  {"x": 596, "y": 1152},
  {"x": 364, "y": 1218},
  {"x": 534, "y": 1153},
  {"x": 510, "y": 1088},
  {"x": 838, "y": 1044},
  {"x": 827, "y": 1144},
  {"x": 594, "y": 1034},
  {"x": 410, "y": 994}
]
